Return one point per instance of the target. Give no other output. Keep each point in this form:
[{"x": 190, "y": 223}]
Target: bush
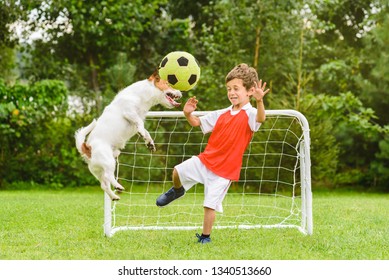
[
  {"x": 344, "y": 137},
  {"x": 37, "y": 143}
]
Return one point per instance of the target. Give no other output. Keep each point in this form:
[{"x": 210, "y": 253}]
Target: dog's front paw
[{"x": 151, "y": 146}]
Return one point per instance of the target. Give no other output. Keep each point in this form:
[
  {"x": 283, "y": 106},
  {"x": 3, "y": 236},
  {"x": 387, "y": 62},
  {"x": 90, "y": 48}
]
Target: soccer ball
[{"x": 180, "y": 69}]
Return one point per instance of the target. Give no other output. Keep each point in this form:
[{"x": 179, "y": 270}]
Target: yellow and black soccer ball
[{"x": 180, "y": 69}]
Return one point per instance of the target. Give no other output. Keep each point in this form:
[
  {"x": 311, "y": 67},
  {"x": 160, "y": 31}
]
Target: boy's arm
[
  {"x": 261, "y": 115},
  {"x": 189, "y": 108},
  {"x": 259, "y": 94}
]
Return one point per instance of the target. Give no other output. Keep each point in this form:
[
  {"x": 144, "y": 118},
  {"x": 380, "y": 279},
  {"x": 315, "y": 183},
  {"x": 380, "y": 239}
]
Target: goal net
[{"x": 274, "y": 190}]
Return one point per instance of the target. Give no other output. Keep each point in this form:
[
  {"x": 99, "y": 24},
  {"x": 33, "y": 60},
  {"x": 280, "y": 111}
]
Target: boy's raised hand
[
  {"x": 260, "y": 91},
  {"x": 190, "y": 105}
]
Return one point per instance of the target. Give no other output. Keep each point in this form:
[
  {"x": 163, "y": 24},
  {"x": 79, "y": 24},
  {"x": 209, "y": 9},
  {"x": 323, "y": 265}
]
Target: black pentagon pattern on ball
[
  {"x": 183, "y": 61},
  {"x": 172, "y": 79},
  {"x": 164, "y": 61},
  {"x": 192, "y": 79}
]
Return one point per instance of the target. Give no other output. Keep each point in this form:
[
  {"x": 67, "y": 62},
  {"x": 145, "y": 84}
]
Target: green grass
[{"x": 67, "y": 224}]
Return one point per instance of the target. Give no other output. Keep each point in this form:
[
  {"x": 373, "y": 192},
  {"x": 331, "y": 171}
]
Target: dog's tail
[{"x": 80, "y": 135}]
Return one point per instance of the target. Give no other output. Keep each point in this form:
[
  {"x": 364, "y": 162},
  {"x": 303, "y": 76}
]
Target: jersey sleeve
[
  {"x": 252, "y": 114},
  {"x": 208, "y": 121}
]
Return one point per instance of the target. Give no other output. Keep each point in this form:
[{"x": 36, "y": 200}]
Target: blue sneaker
[
  {"x": 167, "y": 197},
  {"x": 202, "y": 239}
]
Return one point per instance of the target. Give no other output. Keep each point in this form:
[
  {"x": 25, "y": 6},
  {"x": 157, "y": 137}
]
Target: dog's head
[{"x": 170, "y": 95}]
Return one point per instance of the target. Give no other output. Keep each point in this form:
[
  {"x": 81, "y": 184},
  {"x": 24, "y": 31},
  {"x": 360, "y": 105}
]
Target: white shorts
[{"x": 193, "y": 171}]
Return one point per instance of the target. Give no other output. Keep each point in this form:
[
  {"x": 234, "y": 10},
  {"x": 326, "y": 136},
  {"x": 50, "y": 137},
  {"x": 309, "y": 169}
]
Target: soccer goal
[{"x": 274, "y": 190}]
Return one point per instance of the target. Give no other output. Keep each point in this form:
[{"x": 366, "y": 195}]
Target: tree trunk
[{"x": 94, "y": 83}]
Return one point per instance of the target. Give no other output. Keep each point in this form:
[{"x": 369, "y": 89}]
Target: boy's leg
[
  {"x": 173, "y": 193},
  {"x": 176, "y": 179},
  {"x": 185, "y": 175},
  {"x": 209, "y": 219},
  {"x": 215, "y": 190}
]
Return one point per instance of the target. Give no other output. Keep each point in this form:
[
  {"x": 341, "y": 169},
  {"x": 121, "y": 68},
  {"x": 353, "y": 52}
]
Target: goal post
[{"x": 274, "y": 190}]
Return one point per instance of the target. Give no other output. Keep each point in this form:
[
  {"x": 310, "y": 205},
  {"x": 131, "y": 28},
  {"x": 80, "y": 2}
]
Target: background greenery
[{"x": 327, "y": 59}]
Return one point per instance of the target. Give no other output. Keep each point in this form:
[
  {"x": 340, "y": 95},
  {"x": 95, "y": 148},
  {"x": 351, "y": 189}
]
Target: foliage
[
  {"x": 257, "y": 33},
  {"x": 92, "y": 33},
  {"x": 373, "y": 78},
  {"x": 353, "y": 128},
  {"x": 327, "y": 59},
  {"x": 9, "y": 13},
  {"x": 380, "y": 165},
  {"x": 324, "y": 147},
  {"x": 37, "y": 136},
  {"x": 7, "y": 64},
  {"x": 121, "y": 74}
]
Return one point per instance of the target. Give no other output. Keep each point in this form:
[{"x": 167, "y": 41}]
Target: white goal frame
[{"x": 303, "y": 155}]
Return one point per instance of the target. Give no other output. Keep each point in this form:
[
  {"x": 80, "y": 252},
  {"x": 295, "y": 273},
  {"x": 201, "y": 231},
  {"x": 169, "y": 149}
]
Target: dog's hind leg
[
  {"x": 99, "y": 172},
  {"x": 109, "y": 172},
  {"x": 115, "y": 184},
  {"x": 106, "y": 186}
]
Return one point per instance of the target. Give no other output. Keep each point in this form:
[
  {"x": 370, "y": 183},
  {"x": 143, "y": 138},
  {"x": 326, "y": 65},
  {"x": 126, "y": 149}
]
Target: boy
[{"x": 220, "y": 163}]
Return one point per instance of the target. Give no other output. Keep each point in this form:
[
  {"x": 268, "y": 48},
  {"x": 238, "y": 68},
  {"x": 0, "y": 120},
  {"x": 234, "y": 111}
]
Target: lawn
[{"x": 67, "y": 225}]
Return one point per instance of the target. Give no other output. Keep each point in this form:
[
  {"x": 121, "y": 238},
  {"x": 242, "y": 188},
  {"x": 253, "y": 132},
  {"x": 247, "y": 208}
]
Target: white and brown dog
[{"x": 121, "y": 120}]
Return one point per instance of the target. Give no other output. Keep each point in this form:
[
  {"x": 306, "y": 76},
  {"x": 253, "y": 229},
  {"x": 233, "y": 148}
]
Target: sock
[{"x": 205, "y": 235}]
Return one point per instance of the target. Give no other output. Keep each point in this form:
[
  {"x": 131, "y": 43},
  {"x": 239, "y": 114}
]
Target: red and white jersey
[{"x": 231, "y": 133}]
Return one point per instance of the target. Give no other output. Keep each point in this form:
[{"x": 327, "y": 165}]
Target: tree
[
  {"x": 10, "y": 12},
  {"x": 339, "y": 26},
  {"x": 92, "y": 33},
  {"x": 84, "y": 40},
  {"x": 259, "y": 33},
  {"x": 373, "y": 78}
]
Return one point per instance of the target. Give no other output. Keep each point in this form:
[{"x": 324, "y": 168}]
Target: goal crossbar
[{"x": 274, "y": 190}]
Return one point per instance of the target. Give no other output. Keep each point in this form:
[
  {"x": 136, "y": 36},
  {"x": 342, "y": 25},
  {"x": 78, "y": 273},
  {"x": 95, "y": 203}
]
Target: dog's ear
[{"x": 155, "y": 76}]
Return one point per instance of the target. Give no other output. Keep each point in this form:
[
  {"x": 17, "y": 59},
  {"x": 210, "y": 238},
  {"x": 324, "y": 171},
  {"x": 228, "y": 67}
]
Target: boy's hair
[{"x": 247, "y": 74}]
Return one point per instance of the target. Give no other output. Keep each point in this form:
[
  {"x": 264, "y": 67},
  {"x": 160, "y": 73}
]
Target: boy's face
[{"x": 238, "y": 94}]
